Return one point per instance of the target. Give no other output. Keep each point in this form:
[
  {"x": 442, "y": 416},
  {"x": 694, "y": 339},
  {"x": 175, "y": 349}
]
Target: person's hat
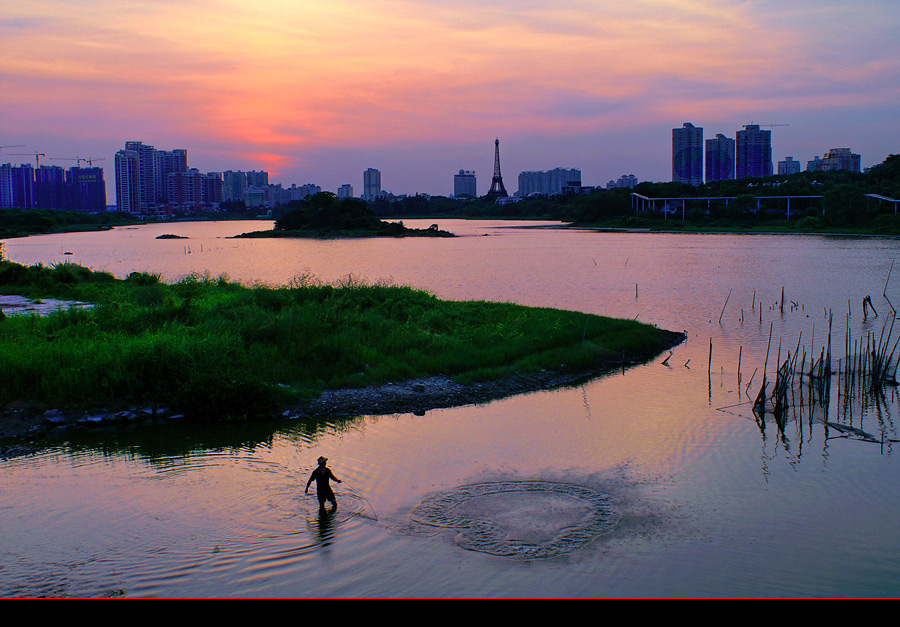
[{"x": 322, "y": 460}]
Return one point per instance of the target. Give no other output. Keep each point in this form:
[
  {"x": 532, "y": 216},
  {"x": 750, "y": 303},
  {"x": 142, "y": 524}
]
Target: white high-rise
[
  {"x": 371, "y": 184},
  {"x": 128, "y": 181},
  {"x": 548, "y": 182}
]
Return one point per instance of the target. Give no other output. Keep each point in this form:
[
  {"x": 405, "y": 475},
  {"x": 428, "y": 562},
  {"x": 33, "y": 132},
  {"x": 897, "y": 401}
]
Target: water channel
[{"x": 655, "y": 481}]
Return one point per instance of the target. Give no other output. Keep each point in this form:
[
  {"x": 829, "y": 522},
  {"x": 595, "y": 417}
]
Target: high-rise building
[
  {"x": 17, "y": 186},
  {"x": 193, "y": 188},
  {"x": 146, "y": 173},
  {"x": 345, "y": 191},
  {"x": 212, "y": 188},
  {"x": 50, "y": 188},
  {"x": 185, "y": 189},
  {"x": 753, "y": 152},
  {"x": 257, "y": 178},
  {"x": 6, "y": 186},
  {"x": 835, "y": 159},
  {"x": 719, "y": 158},
  {"x": 548, "y": 182},
  {"x": 168, "y": 162},
  {"x": 235, "y": 185},
  {"x": 789, "y": 166},
  {"x": 371, "y": 184},
  {"x": 687, "y": 154},
  {"x": 86, "y": 189},
  {"x": 464, "y": 184},
  {"x": 128, "y": 182}
]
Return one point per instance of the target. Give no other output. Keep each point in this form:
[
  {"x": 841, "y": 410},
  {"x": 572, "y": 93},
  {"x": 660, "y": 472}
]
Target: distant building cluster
[
  {"x": 52, "y": 187},
  {"x": 835, "y": 159},
  {"x": 626, "y": 180},
  {"x": 749, "y": 154},
  {"x": 154, "y": 182},
  {"x": 254, "y": 190},
  {"x": 548, "y": 182},
  {"x": 159, "y": 182}
]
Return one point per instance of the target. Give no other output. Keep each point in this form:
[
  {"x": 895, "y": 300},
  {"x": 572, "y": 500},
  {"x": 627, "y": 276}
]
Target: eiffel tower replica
[{"x": 497, "y": 190}]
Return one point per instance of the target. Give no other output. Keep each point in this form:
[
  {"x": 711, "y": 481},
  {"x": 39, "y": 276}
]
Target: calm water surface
[{"x": 708, "y": 502}]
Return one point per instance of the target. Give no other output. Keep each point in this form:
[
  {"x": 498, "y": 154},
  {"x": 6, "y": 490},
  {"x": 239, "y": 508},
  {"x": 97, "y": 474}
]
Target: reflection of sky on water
[{"x": 709, "y": 504}]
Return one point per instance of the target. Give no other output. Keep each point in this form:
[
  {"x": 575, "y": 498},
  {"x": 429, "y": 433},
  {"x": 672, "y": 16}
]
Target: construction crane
[
  {"x": 37, "y": 156},
  {"x": 90, "y": 161},
  {"x": 770, "y": 125},
  {"x": 78, "y": 160},
  {"x": 13, "y": 146}
]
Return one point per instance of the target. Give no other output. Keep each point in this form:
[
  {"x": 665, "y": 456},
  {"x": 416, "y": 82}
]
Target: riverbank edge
[
  {"x": 22, "y": 428},
  {"x": 345, "y": 234},
  {"x": 594, "y": 228}
]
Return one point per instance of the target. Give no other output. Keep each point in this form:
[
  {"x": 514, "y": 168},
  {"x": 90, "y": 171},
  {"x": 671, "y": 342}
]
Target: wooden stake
[{"x": 724, "y": 306}]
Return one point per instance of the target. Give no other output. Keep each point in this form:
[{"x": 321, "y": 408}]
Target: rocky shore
[{"x": 21, "y": 427}]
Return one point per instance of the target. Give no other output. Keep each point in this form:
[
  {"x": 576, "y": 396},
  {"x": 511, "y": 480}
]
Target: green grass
[
  {"x": 215, "y": 349},
  {"x": 24, "y": 222}
]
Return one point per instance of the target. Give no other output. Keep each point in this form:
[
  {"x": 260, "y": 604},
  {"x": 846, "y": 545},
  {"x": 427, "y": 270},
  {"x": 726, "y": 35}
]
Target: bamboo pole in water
[
  {"x": 884, "y": 293},
  {"x": 724, "y": 306}
]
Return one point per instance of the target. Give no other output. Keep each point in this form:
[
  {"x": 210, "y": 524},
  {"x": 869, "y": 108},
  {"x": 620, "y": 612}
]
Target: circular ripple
[{"x": 520, "y": 519}]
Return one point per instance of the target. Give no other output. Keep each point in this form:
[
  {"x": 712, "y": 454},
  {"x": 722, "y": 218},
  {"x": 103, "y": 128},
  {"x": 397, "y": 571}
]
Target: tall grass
[{"x": 215, "y": 349}]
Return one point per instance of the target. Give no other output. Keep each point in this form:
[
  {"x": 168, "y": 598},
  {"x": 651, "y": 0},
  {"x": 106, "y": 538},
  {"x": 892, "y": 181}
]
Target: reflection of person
[{"x": 321, "y": 475}]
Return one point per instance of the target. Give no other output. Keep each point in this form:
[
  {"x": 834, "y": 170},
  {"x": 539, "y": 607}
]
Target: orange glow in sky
[{"x": 306, "y": 87}]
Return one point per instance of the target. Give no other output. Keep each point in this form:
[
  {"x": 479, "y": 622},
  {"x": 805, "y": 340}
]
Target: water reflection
[
  {"x": 162, "y": 443},
  {"x": 713, "y": 498}
]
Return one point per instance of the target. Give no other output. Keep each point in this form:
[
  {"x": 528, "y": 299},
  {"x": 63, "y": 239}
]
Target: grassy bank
[
  {"x": 214, "y": 349},
  {"x": 22, "y": 223},
  {"x": 887, "y": 224}
]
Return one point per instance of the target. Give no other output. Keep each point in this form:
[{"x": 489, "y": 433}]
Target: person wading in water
[{"x": 321, "y": 475}]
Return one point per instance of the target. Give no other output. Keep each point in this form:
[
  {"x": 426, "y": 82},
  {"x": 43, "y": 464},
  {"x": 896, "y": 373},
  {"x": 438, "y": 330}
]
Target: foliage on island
[
  {"x": 214, "y": 349},
  {"x": 324, "y": 215}
]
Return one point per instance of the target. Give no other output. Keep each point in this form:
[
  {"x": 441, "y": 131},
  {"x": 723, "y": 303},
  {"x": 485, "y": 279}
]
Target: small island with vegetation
[
  {"x": 212, "y": 350},
  {"x": 325, "y": 216}
]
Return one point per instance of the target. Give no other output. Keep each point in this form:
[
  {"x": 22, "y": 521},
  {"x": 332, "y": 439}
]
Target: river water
[{"x": 655, "y": 481}]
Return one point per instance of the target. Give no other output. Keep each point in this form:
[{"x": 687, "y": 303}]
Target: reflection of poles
[{"x": 759, "y": 406}]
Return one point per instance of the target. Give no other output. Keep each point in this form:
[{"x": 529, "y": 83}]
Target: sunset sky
[{"x": 318, "y": 92}]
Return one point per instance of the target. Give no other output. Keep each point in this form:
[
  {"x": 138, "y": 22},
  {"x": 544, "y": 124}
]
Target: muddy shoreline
[{"x": 22, "y": 426}]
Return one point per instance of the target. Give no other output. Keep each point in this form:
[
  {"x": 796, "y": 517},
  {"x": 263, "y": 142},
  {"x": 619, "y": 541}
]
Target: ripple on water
[{"x": 520, "y": 519}]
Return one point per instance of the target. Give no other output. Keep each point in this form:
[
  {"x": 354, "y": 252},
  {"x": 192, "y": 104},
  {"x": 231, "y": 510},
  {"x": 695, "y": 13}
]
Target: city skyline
[{"x": 599, "y": 86}]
